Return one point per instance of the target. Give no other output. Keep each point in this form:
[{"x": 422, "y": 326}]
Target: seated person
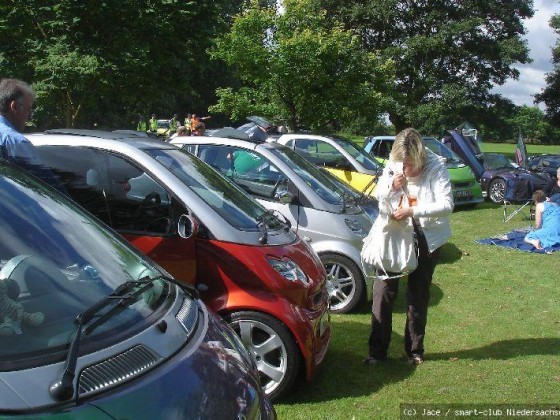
[{"x": 547, "y": 222}]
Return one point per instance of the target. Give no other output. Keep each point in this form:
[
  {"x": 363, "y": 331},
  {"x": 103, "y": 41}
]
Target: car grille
[
  {"x": 116, "y": 370},
  {"x": 466, "y": 184}
]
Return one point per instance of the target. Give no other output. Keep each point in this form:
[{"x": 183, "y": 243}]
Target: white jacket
[{"x": 435, "y": 199}]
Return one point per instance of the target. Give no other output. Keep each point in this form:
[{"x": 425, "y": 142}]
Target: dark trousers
[{"x": 417, "y": 299}]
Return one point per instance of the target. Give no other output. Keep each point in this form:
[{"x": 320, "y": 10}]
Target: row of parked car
[{"x": 266, "y": 234}]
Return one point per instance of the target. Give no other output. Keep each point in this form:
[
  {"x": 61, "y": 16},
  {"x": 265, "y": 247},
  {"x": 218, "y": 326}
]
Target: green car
[{"x": 466, "y": 189}]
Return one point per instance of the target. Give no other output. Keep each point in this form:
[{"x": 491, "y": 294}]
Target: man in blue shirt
[{"x": 16, "y": 105}]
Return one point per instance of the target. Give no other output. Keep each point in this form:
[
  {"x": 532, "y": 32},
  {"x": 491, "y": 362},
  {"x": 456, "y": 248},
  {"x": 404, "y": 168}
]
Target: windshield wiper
[
  {"x": 261, "y": 225},
  {"x": 124, "y": 296}
]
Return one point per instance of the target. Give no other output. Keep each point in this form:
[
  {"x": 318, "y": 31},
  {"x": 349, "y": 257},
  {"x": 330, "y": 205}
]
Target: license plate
[{"x": 462, "y": 193}]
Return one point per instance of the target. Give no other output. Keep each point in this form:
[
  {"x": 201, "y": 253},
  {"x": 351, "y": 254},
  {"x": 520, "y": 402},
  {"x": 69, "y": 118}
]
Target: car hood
[{"x": 463, "y": 148}]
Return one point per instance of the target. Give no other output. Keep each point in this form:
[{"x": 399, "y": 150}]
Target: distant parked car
[
  {"x": 322, "y": 212},
  {"x": 341, "y": 157},
  {"x": 466, "y": 189},
  {"x": 247, "y": 264},
  {"x": 91, "y": 328},
  {"x": 544, "y": 163},
  {"x": 495, "y": 171},
  {"x": 163, "y": 127}
]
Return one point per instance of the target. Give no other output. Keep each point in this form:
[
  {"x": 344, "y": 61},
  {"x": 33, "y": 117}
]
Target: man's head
[
  {"x": 16, "y": 102},
  {"x": 199, "y": 129}
]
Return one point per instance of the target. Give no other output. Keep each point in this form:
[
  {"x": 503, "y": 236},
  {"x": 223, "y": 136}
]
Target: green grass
[{"x": 493, "y": 334}]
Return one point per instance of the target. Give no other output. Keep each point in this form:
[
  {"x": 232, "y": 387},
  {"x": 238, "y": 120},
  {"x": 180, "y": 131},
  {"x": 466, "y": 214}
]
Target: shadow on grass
[
  {"x": 503, "y": 350},
  {"x": 449, "y": 253},
  {"x": 436, "y": 294},
  {"x": 343, "y": 375}
]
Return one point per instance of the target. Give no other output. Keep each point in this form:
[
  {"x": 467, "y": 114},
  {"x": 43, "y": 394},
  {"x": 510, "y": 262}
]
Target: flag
[{"x": 521, "y": 152}]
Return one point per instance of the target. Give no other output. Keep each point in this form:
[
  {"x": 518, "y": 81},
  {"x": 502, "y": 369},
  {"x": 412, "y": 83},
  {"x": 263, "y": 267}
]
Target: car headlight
[
  {"x": 356, "y": 227},
  {"x": 288, "y": 269}
]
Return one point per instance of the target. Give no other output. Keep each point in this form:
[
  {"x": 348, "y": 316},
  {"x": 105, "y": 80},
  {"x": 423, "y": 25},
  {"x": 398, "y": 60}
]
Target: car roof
[
  {"x": 228, "y": 141},
  {"x": 109, "y": 139}
]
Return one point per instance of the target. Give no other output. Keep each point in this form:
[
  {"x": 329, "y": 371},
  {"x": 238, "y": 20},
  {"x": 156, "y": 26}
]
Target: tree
[
  {"x": 293, "y": 67},
  {"x": 439, "y": 48},
  {"x": 550, "y": 95},
  {"x": 105, "y": 62}
]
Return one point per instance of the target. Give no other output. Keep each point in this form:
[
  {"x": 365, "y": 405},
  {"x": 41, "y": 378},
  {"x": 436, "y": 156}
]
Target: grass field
[{"x": 493, "y": 334}]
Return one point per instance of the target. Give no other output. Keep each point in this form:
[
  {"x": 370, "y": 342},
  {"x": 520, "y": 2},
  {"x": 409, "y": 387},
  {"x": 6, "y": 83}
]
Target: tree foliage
[
  {"x": 550, "y": 95},
  {"x": 106, "y": 61},
  {"x": 447, "y": 53},
  {"x": 294, "y": 67}
]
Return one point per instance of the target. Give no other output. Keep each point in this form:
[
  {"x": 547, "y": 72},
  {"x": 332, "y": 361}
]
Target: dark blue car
[
  {"x": 497, "y": 175},
  {"x": 90, "y": 328}
]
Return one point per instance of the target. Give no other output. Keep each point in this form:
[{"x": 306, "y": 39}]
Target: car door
[{"x": 131, "y": 201}]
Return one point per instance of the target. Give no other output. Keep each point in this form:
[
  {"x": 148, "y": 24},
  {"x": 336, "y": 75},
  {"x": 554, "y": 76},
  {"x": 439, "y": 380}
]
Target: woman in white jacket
[{"x": 423, "y": 176}]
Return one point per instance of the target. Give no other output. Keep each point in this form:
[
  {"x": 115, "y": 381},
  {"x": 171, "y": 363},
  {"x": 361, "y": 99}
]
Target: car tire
[
  {"x": 497, "y": 190},
  {"x": 345, "y": 282},
  {"x": 272, "y": 347}
]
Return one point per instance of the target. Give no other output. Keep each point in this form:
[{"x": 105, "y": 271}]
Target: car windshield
[
  {"x": 496, "y": 161},
  {"x": 322, "y": 183},
  {"x": 359, "y": 154},
  {"x": 56, "y": 260},
  {"x": 229, "y": 201},
  {"x": 163, "y": 124},
  {"x": 442, "y": 150}
]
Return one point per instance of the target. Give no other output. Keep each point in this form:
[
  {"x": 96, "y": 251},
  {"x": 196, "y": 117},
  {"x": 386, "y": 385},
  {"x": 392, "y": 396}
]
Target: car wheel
[
  {"x": 497, "y": 190},
  {"x": 272, "y": 347},
  {"x": 345, "y": 283}
]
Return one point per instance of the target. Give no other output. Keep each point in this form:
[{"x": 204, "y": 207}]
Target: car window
[
  {"x": 319, "y": 152},
  {"x": 359, "y": 154},
  {"x": 112, "y": 188},
  {"x": 56, "y": 261},
  {"x": 232, "y": 203},
  {"x": 249, "y": 170}
]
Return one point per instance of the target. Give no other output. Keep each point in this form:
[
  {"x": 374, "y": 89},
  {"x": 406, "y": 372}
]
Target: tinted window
[{"x": 112, "y": 188}]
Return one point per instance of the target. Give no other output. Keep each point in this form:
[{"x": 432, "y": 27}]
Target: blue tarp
[{"x": 514, "y": 239}]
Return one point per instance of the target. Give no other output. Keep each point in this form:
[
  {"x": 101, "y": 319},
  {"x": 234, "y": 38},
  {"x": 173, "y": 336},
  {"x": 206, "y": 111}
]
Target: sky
[{"x": 541, "y": 38}]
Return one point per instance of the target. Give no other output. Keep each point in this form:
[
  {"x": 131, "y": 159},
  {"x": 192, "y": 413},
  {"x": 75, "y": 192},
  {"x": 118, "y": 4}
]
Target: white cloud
[{"x": 540, "y": 40}]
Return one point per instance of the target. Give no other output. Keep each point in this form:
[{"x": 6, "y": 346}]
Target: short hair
[
  {"x": 539, "y": 196},
  {"x": 182, "y": 129},
  {"x": 13, "y": 90},
  {"x": 409, "y": 144}
]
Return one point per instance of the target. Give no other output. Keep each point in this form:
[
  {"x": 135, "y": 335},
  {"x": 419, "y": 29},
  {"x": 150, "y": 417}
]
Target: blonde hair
[{"x": 409, "y": 144}]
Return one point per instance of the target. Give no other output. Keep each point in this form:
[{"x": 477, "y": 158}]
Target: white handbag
[{"x": 390, "y": 247}]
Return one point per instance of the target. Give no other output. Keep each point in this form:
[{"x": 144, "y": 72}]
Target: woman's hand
[
  {"x": 399, "y": 181},
  {"x": 403, "y": 213}
]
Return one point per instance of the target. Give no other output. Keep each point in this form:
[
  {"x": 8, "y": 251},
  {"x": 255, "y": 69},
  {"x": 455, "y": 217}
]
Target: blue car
[
  {"x": 498, "y": 176},
  {"x": 90, "y": 328}
]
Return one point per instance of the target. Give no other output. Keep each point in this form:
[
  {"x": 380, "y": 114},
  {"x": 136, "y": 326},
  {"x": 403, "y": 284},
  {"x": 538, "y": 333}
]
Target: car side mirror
[
  {"x": 284, "y": 197},
  {"x": 187, "y": 226}
]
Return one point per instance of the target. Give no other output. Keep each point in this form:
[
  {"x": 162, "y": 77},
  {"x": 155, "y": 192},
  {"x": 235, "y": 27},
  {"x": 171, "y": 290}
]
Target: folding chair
[{"x": 517, "y": 197}]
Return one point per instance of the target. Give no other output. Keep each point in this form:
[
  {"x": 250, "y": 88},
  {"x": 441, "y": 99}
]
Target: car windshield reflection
[{"x": 50, "y": 272}]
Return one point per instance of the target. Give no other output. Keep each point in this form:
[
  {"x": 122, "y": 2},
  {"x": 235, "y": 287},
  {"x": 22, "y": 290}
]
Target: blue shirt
[
  {"x": 19, "y": 150},
  {"x": 15, "y": 145}
]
